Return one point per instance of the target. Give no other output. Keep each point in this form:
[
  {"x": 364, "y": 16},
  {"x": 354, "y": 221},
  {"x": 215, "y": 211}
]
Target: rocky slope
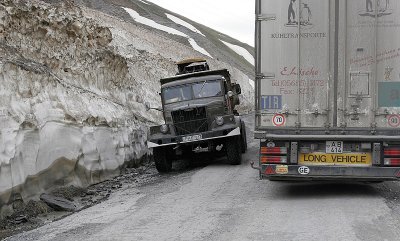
[{"x": 73, "y": 80}]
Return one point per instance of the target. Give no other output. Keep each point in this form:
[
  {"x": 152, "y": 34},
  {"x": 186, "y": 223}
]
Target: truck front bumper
[
  {"x": 210, "y": 135},
  {"x": 321, "y": 173}
]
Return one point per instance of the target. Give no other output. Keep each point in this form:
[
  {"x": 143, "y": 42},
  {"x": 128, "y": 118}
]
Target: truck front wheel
[
  {"x": 162, "y": 159},
  {"x": 233, "y": 150}
]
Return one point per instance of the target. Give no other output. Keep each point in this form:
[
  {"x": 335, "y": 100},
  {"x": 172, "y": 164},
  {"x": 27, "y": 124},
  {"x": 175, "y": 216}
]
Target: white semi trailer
[{"x": 328, "y": 89}]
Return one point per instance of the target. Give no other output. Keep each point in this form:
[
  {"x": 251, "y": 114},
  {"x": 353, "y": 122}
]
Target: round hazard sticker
[
  {"x": 278, "y": 120},
  {"x": 394, "y": 120}
]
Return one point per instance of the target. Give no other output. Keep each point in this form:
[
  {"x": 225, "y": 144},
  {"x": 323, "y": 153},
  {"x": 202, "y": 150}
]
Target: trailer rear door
[
  {"x": 328, "y": 64},
  {"x": 294, "y": 62},
  {"x": 369, "y": 64}
]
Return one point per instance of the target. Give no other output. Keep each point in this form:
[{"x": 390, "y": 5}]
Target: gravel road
[{"x": 223, "y": 202}]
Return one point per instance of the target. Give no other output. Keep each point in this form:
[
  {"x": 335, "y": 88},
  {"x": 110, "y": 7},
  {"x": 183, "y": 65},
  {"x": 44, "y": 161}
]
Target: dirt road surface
[{"x": 223, "y": 202}]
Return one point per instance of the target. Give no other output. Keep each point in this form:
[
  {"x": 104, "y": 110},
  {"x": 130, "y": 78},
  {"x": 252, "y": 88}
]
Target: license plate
[
  {"x": 334, "y": 147},
  {"x": 347, "y": 159},
  {"x": 192, "y": 138}
]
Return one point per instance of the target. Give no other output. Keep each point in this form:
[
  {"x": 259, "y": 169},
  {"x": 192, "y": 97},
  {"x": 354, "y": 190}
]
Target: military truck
[{"x": 198, "y": 106}]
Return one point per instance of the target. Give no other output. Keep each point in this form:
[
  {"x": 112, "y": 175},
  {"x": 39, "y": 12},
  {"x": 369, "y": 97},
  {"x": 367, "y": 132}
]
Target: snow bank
[
  {"x": 241, "y": 51},
  {"x": 143, "y": 2},
  {"x": 251, "y": 82},
  {"x": 183, "y": 23},
  {"x": 169, "y": 30},
  {"x": 69, "y": 112},
  {"x": 198, "y": 48},
  {"x": 152, "y": 23}
]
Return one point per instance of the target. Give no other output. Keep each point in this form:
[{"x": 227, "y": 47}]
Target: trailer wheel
[
  {"x": 243, "y": 137},
  {"x": 233, "y": 150},
  {"x": 162, "y": 159}
]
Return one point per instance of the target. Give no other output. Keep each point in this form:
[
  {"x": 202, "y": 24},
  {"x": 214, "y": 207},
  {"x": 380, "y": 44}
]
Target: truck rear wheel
[
  {"x": 243, "y": 137},
  {"x": 233, "y": 150},
  {"x": 162, "y": 159}
]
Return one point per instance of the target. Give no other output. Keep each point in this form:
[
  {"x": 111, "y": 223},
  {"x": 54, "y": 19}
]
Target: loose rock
[
  {"x": 20, "y": 219},
  {"x": 58, "y": 203}
]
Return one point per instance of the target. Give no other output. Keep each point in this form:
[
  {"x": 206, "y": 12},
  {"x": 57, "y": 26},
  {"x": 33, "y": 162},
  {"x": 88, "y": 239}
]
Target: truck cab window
[
  {"x": 208, "y": 88},
  {"x": 177, "y": 94}
]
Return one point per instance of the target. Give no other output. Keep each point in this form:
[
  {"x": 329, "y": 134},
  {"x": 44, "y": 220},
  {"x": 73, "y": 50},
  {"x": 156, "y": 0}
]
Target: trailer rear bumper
[{"x": 322, "y": 173}]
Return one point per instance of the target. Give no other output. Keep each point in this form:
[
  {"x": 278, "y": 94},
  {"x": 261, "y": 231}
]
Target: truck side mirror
[{"x": 237, "y": 89}]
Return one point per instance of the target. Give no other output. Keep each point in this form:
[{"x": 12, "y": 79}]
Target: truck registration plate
[
  {"x": 192, "y": 138},
  {"x": 356, "y": 159},
  {"x": 334, "y": 147}
]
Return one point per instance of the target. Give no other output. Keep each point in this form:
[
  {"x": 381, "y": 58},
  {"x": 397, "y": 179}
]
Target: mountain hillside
[
  {"x": 74, "y": 79},
  {"x": 209, "y": 39}
]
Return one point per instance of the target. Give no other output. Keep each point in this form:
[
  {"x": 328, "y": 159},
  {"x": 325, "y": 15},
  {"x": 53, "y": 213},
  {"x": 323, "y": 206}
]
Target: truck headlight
[
  {"x": 219, "y": 120},
  {"x": 164, "y": 129}
]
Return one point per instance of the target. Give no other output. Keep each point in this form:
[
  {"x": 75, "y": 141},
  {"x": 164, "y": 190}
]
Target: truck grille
[{"x": 188, "y": 121}]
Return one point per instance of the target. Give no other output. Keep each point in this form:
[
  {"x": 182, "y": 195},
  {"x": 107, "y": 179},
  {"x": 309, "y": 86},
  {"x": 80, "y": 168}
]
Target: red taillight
[
  {"x": 274, "y": 150},
  {"x": 392, "y": 156},
  {"x": 392, "y": 151},
  {"x": 273, "y": 159},
  {"x": 392, "y": 162}
]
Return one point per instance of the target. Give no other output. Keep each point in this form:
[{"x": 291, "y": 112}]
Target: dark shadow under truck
[{"x": 198, "y": 107}]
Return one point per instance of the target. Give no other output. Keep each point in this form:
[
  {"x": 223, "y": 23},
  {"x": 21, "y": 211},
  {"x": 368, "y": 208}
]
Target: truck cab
[{"x": 199, "y": 114}]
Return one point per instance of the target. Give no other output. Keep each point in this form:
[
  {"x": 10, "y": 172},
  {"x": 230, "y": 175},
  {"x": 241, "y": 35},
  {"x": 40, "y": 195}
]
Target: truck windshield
[
  {"x": 177, "y": 94},
  {"x": 205, "y": 89}
]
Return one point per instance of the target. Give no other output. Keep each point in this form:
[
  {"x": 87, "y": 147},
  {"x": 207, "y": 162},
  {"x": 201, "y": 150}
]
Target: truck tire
[
  {"x": 197, "y": 160},
  {"x": 233, "y": 150},
  {"x": 243, "y": 137},
  {"x": 162, "y": 160}
]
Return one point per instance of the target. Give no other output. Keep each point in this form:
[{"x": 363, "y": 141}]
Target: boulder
[{"x": 58, "y": 203}]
